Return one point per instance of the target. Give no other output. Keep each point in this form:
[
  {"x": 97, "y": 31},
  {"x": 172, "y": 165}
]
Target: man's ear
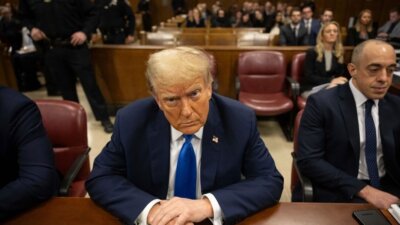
[{"x": 352, "y": 69}]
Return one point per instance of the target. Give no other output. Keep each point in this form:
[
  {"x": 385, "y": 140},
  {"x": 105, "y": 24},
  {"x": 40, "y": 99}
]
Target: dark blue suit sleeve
[
  {"x": 37, "y": 179},
  {"x": 109, "y": 176},
  {"x": 262, "y": 186}
]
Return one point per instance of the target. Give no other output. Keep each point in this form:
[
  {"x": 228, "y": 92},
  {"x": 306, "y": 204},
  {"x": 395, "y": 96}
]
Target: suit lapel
[
  {"x": 349, "y": 115},
  {"x": 159, "y": 146},
  {"x": 210, "y": 156}
]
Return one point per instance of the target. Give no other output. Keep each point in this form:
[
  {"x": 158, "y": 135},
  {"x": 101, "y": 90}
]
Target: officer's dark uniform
[
  {"x": 144, "y": 8},
  {"x": 116, "y": 21},
  {"x": 24, "y": 64},
  {"x": 59, "y": 19}
]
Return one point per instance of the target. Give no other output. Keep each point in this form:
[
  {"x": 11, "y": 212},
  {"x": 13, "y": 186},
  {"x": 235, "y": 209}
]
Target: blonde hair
[
  {"x": 175, "y": 65},
  {"x": 337, "y": 46},
  {"x": 358, "y": 22}
]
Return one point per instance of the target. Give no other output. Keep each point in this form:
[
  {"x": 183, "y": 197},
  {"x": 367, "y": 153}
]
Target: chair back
[
  {"x": 66, "y": 126},
  {"x": 295, "y": 177},
  {"x": 261, "y": 72},
  {"x": 297, "y": 73},
  {"x": 297, "y": 68}
]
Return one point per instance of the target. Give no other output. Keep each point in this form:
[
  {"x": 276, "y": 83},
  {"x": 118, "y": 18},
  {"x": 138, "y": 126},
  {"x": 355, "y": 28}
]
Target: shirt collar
[
  {"x": 175, "y": 134},
  {"x": 359, "y": 97}
]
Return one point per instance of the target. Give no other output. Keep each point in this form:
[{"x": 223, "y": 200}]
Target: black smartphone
[{"x": 370, "y": 217}]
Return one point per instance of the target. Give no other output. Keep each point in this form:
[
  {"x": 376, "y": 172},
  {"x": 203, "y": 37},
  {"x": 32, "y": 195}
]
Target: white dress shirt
[
  {"x": 360, "y": 100},
  {"x": 177, "y": 141},
  {"x": 295, "y": 28}
]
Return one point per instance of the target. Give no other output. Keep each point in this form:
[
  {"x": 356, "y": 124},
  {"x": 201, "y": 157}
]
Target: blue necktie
[
  {"x": 370, "y": 145},
  {"x": 185, "y": 178}
]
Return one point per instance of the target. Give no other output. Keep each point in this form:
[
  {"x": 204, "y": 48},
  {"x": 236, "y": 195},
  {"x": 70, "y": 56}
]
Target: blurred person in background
[
  {"x": 362, "y": 30},
  {"x": 327, "y": 16},
  {"x": 117, "y": 22},
  {"x": 390, "y": 31},
  {"x": 324, "y": 63},
  {"x": 65, "y": 27}
]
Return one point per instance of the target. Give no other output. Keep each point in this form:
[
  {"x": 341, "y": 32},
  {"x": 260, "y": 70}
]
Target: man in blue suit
[
  {"x": 312, "y": 25},
  {"x": 334, "y": 135},
  {"x": 294, "y": 33},
  {"x": 27, "y": 172},
  {"x": 134, "y": 176}
]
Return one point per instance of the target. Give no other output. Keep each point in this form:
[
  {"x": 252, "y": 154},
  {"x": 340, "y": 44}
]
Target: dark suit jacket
[
  {"x": 315, "y": 73},
  {"x": 133, "y": 168},
  {"x": 329, "y": 143},
  {"x": 27, "y": 171},
  {"x": 315, "y": 26},
  {"x": 287, "y": 37},
  {"x": 353, "y": 36}
]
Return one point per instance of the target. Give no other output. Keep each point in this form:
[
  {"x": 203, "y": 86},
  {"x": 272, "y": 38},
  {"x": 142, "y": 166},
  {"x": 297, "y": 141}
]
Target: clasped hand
[{"x": 180, "y": 211}]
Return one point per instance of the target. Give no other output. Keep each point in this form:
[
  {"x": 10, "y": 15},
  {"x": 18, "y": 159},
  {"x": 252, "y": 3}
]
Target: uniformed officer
[
  {"x": 66, "y": 25},
  {"x": 117, "y": 23}
]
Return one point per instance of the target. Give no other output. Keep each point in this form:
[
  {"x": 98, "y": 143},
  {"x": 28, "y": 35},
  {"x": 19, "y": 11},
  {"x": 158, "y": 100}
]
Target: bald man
[{"x": 335, "y": 133}]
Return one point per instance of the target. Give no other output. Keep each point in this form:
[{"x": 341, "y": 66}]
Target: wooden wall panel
[{"x": 120, "y": 69}]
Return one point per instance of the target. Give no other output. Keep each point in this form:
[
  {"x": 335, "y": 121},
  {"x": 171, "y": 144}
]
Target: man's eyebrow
[
  {"x": 380, "y": 65},
  {"x": 375, "y": 65},
  {"x": 170, "y": 97}
]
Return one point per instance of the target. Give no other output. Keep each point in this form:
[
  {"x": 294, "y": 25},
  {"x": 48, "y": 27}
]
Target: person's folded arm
[{"x": 37, "y": 177}]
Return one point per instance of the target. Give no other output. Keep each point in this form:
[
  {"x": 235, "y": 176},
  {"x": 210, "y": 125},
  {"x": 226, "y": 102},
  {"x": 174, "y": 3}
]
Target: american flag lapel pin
[{"x": 215, "y": 139}]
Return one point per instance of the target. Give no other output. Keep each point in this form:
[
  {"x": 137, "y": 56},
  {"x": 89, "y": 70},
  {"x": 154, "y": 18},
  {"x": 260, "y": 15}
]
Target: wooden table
[
  {"x": 293, "y": 213},
  {"x": 82, "y": 211}
]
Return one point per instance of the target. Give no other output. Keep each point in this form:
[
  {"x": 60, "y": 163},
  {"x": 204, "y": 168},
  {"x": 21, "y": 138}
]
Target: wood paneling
[{"x": 120, "y": 69}]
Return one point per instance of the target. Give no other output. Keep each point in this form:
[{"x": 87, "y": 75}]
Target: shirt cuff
[
  {"x": 217, "y": 211},
  {"x": 142, "y": 218}
]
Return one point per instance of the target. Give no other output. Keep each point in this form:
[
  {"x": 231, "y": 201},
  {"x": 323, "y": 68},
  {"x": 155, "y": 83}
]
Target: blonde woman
[
  {"x": 362, "y": 30},
  {"x": 324, "y": 63}
]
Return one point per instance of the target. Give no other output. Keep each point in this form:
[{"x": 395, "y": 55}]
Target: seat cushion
[
  {"x": 267, "y": 104},
  {"x": 77, "y": 189}
]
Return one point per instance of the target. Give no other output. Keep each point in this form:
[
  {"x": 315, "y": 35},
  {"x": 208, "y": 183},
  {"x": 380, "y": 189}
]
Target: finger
[
  {"x": 181, "y": 220},
  {"x": 161, "y": 217}
]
